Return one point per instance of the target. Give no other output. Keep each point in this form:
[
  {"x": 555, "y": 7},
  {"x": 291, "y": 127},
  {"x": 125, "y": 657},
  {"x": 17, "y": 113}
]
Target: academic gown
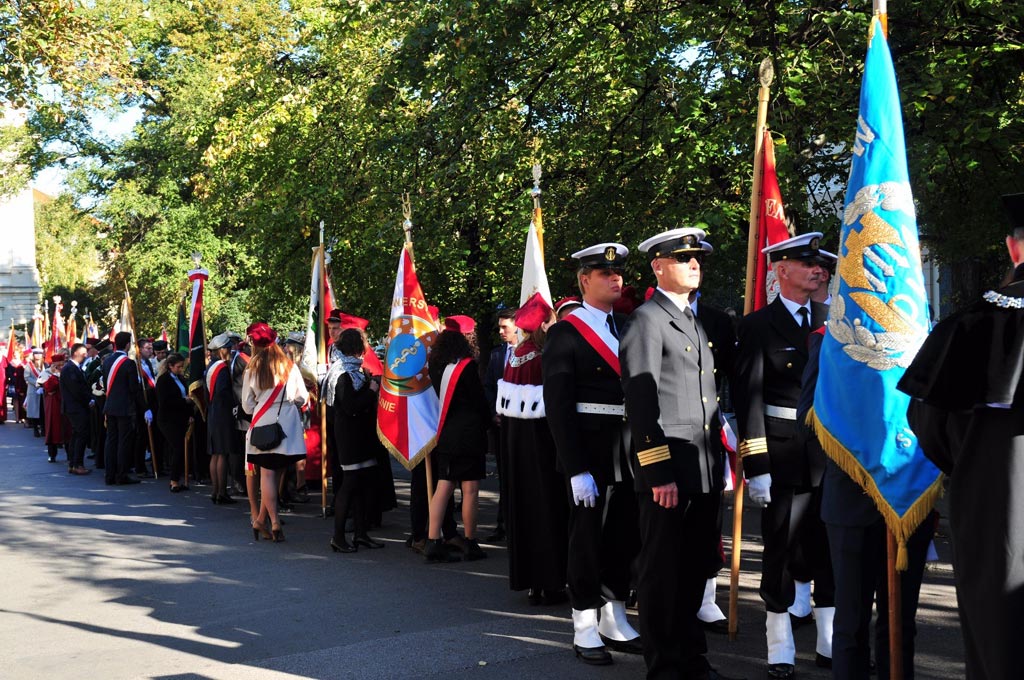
[
  {"x": 56, "y": 428},
  {"x": 537, "y": 511},
  {"x": 968, "y": 414}
]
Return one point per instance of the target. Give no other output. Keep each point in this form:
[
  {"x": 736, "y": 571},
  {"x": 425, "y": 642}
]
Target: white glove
[
  {"x": 759, "y": 488},
  {"x": 39, "y": 390},
  {"x": 148, "y": 416},
  {"x": 584, "y": 489}
]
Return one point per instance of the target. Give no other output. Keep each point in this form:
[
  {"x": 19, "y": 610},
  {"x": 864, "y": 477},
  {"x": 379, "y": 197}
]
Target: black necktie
[
  {"x": 805, "y": 323},
  {"x": 611, "y": 326}
]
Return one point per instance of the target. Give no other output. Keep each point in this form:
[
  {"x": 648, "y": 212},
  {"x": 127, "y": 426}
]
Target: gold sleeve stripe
[
  {"x": 750, "y": 447},
  {"x": 655, "y": 455}
]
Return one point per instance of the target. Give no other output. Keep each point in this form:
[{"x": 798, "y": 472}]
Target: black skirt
[
  {"x": 274, "y": 461},
  {"x": 461, "y": 466}
]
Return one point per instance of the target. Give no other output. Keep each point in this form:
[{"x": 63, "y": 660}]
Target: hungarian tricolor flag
[
  {"x": 407, "y": 407},
  {"x": 771, "y": 226},
  {"x": 196, "y": 334},
  {"x": 321, "y": 303}
]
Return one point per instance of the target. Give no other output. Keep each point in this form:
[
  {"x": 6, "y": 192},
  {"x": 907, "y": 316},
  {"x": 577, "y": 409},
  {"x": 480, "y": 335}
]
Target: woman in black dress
[
  {"x": 462, "y": 434},
  {"x": 355, "y": 430},
  {"x": 173, "y": 415}
]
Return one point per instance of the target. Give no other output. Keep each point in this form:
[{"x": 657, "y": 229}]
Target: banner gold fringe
[
  {"x": 395, "y": 453},
  {"x": 901, "y": 527}
]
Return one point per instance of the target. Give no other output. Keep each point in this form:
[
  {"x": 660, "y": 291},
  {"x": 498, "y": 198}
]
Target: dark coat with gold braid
[{"x": 770, "y": 360}]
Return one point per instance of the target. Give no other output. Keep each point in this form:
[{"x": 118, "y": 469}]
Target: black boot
[{"x": 437, "y": 551}]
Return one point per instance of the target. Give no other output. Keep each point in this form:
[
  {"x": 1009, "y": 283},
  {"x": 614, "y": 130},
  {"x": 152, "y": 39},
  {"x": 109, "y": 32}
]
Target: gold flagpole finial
[{"x": 407, "y": 215}]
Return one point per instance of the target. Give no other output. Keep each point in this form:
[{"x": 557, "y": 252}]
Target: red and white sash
[
  {"x": 212, "y": 373},
  {"x": 595, "y": 341},
  {"x": 118, "y": 363},
  {"x": 452, "y": 373}
]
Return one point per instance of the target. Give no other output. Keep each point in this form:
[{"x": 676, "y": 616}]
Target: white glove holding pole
[
  {"x": 760, "y": 490},
  {"x": 148, "y": 415},
  {"x": 584, "y": 489}
]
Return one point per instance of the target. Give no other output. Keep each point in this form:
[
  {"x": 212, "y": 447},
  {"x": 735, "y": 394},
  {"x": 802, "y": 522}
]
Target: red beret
[
  {"x": 261, "y": 334},
  {"x": 459, "y": 324},
  {"x": 349, "y": 321},
  {"x": 533, "y": 313}
]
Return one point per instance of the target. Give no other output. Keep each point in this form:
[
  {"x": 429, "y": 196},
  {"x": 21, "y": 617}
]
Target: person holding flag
[
  {"x": 783, "y": 473},
  {"x": 878, "y": 319}
]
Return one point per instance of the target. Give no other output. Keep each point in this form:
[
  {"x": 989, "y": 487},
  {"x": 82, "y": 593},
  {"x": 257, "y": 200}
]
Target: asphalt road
[{"x": 135, "y": 582}]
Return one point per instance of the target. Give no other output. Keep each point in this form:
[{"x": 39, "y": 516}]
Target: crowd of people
[{"x": 606, "y": 416}]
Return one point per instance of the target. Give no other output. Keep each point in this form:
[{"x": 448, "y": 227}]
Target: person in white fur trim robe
[{"x": 538, "y": 510}]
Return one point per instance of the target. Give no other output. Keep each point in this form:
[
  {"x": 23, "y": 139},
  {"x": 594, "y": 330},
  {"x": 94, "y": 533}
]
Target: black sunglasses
[{"x": 686, "y": 257}]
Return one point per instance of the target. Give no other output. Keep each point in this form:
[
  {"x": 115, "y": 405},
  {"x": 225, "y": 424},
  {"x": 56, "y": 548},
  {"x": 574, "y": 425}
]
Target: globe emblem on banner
[{"x": 405, "y": 366}]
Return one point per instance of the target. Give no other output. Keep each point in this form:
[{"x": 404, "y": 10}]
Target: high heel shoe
[
  {"x": 277, "y": 536},
  {"x": 342, "y": 546},
  {"x": 367, "y": 542},
  {"x": 260, "y": 530}
]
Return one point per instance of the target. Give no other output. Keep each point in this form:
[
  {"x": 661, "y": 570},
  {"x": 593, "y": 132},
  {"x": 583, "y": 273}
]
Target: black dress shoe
[
  {"x": 822, "y": 661},
  {"x": 436, "y": 551},
  {"x": 473, "y": 551},
  {"x": 534, "y": 597},
  {"x": 496, "y": 537},
  {"x": 785, "y": 671},
  {"x": 342, "y": 546},
  {"x": 634, "y": 646},
  {"x": 227, "y": 500},
  {"x": 712, "y": 674},
  {"x": 720, "y": 627},
  {"x": 595, "y": 656},
  {"x": 367, "y": 542},
  {"x": 124, "y": 481}
]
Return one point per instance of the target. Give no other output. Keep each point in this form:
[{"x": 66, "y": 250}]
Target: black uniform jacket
[
  {"x": 770, "y": 360},
  {"x": 573, "y": 373},
  {"x": 75, "y": 393},
  {"x": 355, "y": 421},
  {"x": 843, "y": 502},
  {"x": 465, "y": 425},
  {"x": 124, "y": 397},
  {"x": 220, "y": 417},
  {"x": 174, "y": 411},
  {"x": 669, "y": 383},
  {"x": 721, "y": 334}
]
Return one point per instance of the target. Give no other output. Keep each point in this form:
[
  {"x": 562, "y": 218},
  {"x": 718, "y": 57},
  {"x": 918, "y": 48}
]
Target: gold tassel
[{"x": 901, "y": 527}]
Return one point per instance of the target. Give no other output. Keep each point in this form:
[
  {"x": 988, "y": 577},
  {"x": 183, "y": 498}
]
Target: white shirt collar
[
  {"x": 794, "y": 309},
  {"x": 598, "y": 322}
]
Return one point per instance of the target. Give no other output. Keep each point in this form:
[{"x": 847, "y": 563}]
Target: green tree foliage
[
  {"x": 69, "y": 251},
  {"x": 263, "y": 118}
]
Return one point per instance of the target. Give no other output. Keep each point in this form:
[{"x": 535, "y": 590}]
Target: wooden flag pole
[
  {"x": 188, "y": 436},
  {"x": 407, "y": 228},
  {"x": 879, "y": 10},
  {"x": 322, "y": 354},
  {"x": 766, "y": 73},
  {"x": 895, "y": 610}
]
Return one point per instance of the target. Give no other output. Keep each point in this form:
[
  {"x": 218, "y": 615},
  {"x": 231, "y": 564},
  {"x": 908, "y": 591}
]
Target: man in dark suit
[
  {"x": 75, "y": 396},
  {"x": 493, "y": 373},
  {"x": 124, "y": 402},
  {"x": 783, "y": 473},
  {"x": 671, "y": 401},
  {"x": 584, "y": 403}
]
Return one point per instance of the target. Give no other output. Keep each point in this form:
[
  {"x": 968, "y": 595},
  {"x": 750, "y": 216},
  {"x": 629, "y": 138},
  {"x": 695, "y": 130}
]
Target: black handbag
[{"x": 268, "y": 437}]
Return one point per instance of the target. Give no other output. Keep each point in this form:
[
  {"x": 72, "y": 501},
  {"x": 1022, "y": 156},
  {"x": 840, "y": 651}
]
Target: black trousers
[
  {"x": 859, "y": 559},
  {"x": 119, "y": 448},
  {"x": 353, "y": 500},
  {"x": 79, "y": 439},
  {"x": 603, "y": 541},
  {"x": 419, "y": 511},
  {"x": 679, "y": 547},
  {"x": 174, "y": 450},
  {"x": 791, "y": 525},
  {"x": 236, "y": 459}
]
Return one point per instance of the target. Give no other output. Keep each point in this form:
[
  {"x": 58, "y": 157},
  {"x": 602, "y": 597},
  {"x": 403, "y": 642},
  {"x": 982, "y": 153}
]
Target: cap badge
[
  {"x": 610, "y": 253},
  {"x": 814, "y": 243},
  {"x": 689, "y": 240}
]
